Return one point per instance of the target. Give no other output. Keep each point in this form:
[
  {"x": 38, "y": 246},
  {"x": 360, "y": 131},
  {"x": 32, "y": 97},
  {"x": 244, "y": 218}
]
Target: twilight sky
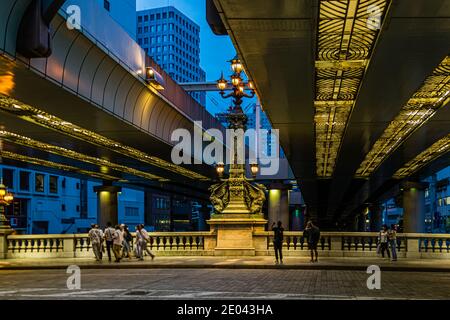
[{"x": 215, "y": 51}]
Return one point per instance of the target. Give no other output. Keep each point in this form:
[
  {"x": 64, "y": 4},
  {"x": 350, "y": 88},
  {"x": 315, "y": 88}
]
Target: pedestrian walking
[
  {"x": 108, "y": 235},
  {"x": 278, "y": 241},
  {"x": 96, "y": 236},
  {"x": 127, "y": 239},
  {"x": 392, "y": 234},
  {"x": 383, "y": 240},
  {"x": 117, "y": 243},
  {"x": 312, "y": 236},
  {"x": 139, "y": 245},
  {"x": 146, "y": 239}
]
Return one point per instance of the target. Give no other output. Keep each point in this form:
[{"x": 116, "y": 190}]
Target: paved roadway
[{"x": 222, "y": 284}]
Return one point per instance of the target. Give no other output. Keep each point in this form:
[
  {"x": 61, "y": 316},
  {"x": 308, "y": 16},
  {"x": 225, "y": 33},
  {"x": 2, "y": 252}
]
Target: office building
[{"x": 173, "y": 41}]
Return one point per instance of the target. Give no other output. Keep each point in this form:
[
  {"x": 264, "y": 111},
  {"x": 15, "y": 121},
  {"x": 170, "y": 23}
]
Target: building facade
[
  {"x": 173, "y": 41},
  {"x": 55, "y": 204},
  {"x": 437, "y": 204}
]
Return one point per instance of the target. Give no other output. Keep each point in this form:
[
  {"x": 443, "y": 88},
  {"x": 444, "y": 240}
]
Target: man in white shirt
[
  {"x": 139, "y": 243},
  {"x": 96, "y": 236},
  {"x": 146, "y": 239},
  {"x": 117, "y": 243}
]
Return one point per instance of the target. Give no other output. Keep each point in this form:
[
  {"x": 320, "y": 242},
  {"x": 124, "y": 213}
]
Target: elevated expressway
[
  {"x": 86, "y": 108},
  {"x": 359, "y": 90}
]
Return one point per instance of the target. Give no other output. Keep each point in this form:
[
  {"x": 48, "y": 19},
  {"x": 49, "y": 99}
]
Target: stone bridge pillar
[
  {"x": 107, "y": 204},
  {"x": 414, "y": 207},
  {"x": 375, "y": 213},
  {"x": 279, "y": 204}
]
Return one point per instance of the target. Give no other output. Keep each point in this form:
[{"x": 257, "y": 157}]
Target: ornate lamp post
[
  {"x": 6, "y": 198},
  {"x": 237, "y": 195},
  {"x": 237, "y": 202}
]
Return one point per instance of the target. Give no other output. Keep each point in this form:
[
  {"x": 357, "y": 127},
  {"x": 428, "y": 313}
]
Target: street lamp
[
  {"x": 6, "y": 198},
  {"x": 236, "y": 65},
  {"x": 236, "y": 195},
  {"x": 254, "y": 168},
  {"x": 236, "y": 80},
  {"x": 222, "y": 83},
  {"x": 220, "y": 169}
]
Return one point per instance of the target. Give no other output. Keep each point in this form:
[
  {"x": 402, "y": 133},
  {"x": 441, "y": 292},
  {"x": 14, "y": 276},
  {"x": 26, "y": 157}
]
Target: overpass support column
[
  {"x": 279, "y": 204},
  {"x": 375, "y": 212},
  {"x": 414, "y": 206},
  {"x": 107, "y": 204},
  {"x": 362, "y": 222}
]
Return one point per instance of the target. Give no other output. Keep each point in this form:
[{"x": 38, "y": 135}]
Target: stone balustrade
[
  {"x": 331, "y": 244},
  {"x": 363, "y": 244},
  {"x": 79, "y": 245}
]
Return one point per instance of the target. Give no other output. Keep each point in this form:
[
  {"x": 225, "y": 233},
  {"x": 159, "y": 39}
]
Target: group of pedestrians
[
  {"x": 119, "y": 240},
  {"x": 387, "y": 239},
  {"x": 311, "y": 234}
]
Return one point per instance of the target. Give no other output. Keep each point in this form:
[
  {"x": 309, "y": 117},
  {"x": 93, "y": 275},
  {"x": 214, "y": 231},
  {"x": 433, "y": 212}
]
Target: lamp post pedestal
[
  {"x": 237, "y": 203},
  {"x": 4, "y": 223},
  {"x": 235, "y": 234},
  {"x": 5, "y": 231}
]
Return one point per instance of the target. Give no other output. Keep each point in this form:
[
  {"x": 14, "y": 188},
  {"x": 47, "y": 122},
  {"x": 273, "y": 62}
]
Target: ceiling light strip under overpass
[
  {"x": 34, "y": 115},
  {"x": 60, "y": 151},
  {"x": 347, "y": 33},
  {"x": 54, "y": 165},
  {"x": 432, "y": 95},
  {"x": 437, "y": 150}
]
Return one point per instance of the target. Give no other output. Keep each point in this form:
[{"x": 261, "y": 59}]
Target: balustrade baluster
[
  {"x": 177, "y": 242},
  {"x": 164, "y": 243},
  {"x": 356, "y": 242},
  {"x": 152, "y": 241},
  {"x": 158, "y": 242},
  {"x": 370, "y": 242},
  {"x": 34, "y": 245},
  {"x": 440, "y": 244},
  {"x": 426, "y": 244},
  {"x": 171, "y": 243}
]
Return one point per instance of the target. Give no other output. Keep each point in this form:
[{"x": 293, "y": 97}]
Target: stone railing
[
  {"x": 331, "y": 244},
  {"x": 363, "y": 244},
  {"x": 79, "y": 245}
]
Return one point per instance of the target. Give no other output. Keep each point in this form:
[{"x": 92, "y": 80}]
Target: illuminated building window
[{"x": 39, "y": 182}]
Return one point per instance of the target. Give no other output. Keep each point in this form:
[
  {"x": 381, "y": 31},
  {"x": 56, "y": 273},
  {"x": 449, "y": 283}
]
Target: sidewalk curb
[{"x": 208, "y": 266}]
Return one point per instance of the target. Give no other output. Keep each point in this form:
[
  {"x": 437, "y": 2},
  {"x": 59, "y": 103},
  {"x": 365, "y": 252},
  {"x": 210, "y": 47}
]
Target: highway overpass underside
[
  {"x": 360, "y": 106},
  {"x": 84, "y": 112}
]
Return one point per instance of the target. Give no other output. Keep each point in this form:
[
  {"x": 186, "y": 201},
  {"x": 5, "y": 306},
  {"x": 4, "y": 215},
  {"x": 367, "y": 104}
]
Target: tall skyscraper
[{"x": 173, "y": 41}]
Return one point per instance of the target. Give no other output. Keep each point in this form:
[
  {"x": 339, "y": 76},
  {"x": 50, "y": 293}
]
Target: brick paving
[
  {"x": 222, "y": 284},
  {"x": 325, "y": 263}
]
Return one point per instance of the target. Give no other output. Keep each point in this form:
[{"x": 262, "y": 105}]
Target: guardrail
[{"x": 333, "y": 244}]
